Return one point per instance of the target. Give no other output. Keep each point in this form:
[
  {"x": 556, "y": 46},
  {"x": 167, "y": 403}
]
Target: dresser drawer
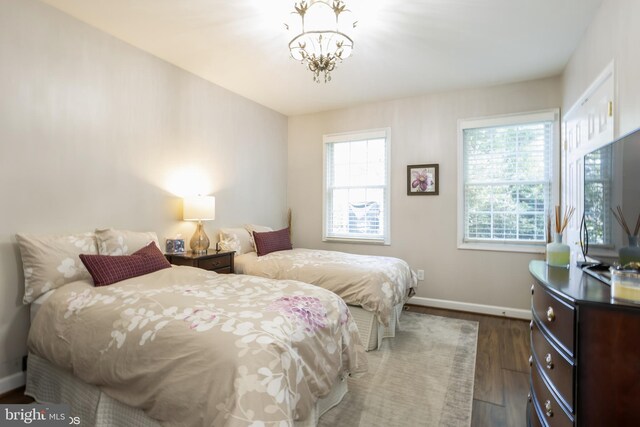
[
  {"x": 214, "y": 263},
  {"x": 532, "y": 414},
  {"x": 555, "y": 315},
  {"x": 555, "y": 366},
  {"x": 546, "y": 404}
]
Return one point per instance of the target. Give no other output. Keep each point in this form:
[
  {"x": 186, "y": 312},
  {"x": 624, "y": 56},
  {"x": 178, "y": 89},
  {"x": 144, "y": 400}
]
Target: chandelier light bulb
[{"x": 321, "y": 39}]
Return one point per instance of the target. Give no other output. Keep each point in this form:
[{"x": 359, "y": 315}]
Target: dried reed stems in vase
[
  {"x": 559, "y": 254},
  {"x": 561, "y": 224},
  {"x": 619, "y": 216}
]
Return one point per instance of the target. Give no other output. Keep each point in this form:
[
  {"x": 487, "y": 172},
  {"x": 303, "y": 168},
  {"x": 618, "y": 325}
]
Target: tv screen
[{"x": 611, "y": 182}]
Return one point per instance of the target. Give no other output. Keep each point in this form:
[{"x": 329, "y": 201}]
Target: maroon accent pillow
[
  {"x": 272, "y": 241},
  {"x": 108, "y": 269}
]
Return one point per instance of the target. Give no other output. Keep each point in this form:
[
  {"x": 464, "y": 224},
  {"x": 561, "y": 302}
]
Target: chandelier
[{"x": 321, "y": 40}]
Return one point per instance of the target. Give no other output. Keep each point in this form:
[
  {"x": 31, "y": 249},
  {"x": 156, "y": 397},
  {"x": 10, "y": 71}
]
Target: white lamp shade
[{"x": 199, "y": 208}]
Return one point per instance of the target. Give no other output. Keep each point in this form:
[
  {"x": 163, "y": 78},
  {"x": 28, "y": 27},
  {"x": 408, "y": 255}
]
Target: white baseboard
[
  {"x": 493, "y": 310},
  {"x": 12, "y": 382}
]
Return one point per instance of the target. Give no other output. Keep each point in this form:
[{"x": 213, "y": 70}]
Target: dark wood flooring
[
  {"x": 15, "y": 396},
  {"x": 502, "y": 369}
]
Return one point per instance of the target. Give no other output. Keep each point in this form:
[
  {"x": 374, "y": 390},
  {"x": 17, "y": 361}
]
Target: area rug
[{"x": 422, "y": 377}]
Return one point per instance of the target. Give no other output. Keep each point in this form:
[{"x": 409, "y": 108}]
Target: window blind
[
  {"x": 507, "y": 181},
  {"x": 357, "y": 187}
]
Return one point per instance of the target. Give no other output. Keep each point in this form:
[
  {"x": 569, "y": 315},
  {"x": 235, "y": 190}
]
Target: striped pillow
[
  {"x": 272, "y": 241},
  {"x": 108, "y": 269}
]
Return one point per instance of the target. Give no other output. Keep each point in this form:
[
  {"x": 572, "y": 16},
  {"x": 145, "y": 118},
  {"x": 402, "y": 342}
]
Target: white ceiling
[{"x": 402, "y": 48}]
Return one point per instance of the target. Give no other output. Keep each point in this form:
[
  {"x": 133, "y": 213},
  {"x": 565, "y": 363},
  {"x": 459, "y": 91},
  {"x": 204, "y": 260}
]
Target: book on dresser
[{"x": 585, "y": 352}]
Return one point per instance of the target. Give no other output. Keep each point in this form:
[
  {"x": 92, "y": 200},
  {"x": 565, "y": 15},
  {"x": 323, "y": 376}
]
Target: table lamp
[{"x": 199, "y": 208}]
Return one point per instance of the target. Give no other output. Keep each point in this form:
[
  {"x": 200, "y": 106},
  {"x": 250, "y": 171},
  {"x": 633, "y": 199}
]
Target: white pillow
[
  {"x": 52, "y": 261},
  {"x": 242, "y": 235},
  {"x": 259, "y": 228},
  {"x": 229, "y": 243},
  {"x": 123, "y": 242}
]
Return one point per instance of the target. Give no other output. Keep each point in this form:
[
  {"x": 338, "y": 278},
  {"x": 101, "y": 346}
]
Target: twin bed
[
  {"x": 375, "y": 287},
  {"x": 183, "y": 346}
]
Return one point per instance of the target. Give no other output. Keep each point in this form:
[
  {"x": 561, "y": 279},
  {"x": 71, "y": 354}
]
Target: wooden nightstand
[{"x": 220, "y": 262}]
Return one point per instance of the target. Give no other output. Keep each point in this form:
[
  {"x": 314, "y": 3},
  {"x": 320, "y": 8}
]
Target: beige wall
[
  {"x": 423, "y": 229},
  {"x": 614, "y": 34},
  {"x": 91, "y": 132}
]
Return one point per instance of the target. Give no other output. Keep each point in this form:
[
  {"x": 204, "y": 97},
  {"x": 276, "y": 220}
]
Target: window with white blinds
[
  {"x": 356, "y": 186},
  {"x": 508, "y": 178}
]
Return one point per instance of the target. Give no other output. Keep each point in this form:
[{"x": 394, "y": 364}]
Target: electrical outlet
[{"x": 420, "y": 274}]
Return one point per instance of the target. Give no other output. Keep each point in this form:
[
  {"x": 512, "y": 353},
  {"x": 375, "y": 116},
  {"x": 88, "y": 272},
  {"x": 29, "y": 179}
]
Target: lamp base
[{"x": 200, "y": 241}]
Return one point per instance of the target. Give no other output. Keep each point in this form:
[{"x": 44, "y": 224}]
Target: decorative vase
[
  {"x": 200, "y": 241},
  {"x": 557, "y": 252},
  {"x": 631, "y": 253}
]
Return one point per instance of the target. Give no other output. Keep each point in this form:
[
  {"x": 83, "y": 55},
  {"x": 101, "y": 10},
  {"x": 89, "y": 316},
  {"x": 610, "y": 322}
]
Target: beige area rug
[{"x": 422, "y": 377}]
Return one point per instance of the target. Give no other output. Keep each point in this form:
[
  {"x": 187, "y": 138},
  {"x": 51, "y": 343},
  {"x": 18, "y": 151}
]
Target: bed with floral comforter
[
  {"x": 192, "y": 347},
  {"x": 376, "y": 283}
]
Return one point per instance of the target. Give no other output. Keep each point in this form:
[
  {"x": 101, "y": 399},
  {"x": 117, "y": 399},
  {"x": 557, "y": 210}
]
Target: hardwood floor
[
  {"x": 15, "y": 396},
  {"x": 502, "y": 369}
]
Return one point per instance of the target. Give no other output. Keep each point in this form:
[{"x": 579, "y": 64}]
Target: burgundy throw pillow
[
  {"x": 272, "y": 241},
  {"x": 108, "y": 269}
]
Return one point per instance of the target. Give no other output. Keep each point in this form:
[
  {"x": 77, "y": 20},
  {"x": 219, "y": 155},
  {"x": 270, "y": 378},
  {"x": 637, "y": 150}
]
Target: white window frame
[
  {"x": 507, "y": 120},
  {"x": 358, "y": 136}
]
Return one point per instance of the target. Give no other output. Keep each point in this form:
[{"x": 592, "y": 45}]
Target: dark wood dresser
[{"x": 585, "y": 352}]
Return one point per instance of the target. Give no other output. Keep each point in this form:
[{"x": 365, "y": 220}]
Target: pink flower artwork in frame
[{"x": 422, "y": 180}]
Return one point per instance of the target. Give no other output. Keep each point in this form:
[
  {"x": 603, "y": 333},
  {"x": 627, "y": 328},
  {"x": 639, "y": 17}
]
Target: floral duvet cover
[
  {"x": 192, "y": 347},
  {"x": 375, "y": 283}
]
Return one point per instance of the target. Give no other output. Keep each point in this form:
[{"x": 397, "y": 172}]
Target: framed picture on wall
[{"x": 422, "y": 180}]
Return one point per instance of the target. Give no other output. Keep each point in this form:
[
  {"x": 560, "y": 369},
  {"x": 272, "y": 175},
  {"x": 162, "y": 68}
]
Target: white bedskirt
[
  {"x": 47, "y": 383},
  {"x": 370, "y": 330}
]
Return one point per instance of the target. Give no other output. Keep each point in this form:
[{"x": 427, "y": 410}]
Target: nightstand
[{"x": 220, "y": 262}]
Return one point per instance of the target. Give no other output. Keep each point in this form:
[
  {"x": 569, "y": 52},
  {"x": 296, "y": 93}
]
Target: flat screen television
[{"x": 611, "y": 181}]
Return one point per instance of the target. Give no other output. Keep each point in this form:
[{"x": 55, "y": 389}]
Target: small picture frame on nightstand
[{"x": 174, "y": 246}]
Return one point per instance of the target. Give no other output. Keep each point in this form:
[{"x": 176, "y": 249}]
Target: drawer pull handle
[
  {"x": 548, "y": 409},
  {"x": 530, "y": 360},
  {"x": 531, "y": 325},
  {"x": 531, "y": 289},
  {"x": 551, "y": 315},
  {"x": 549, "y": 361},
  {"x": 529, "y": 397}
]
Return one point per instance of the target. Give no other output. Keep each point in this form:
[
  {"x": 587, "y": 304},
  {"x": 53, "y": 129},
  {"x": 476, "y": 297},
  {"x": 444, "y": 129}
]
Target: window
[
  {"x": 356, "y": 187},
  {"x": 508, "y": 183}
]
